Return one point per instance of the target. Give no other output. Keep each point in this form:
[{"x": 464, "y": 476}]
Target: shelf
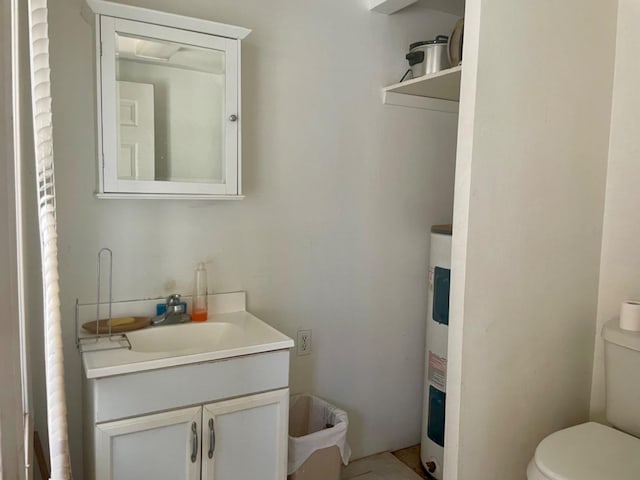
[
  {"x": 168, "y": 196},
  {"x": 112, "y": 9},
  {"x": 389, "y": 7},
  {"x": 443, "y": 85}
]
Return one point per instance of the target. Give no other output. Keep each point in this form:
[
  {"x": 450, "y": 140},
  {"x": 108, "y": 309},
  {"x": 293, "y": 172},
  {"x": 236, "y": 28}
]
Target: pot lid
[{"x": 438, "y": 40}]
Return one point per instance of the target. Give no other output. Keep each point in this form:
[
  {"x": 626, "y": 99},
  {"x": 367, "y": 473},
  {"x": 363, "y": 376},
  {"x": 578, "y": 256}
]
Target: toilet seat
[{"x": 590, "y": 451}]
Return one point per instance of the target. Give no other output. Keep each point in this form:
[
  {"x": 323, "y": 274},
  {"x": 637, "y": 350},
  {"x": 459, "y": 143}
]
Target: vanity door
[
  {"x": 162, "y": 446},
  {"x": 246, "y": 438}
]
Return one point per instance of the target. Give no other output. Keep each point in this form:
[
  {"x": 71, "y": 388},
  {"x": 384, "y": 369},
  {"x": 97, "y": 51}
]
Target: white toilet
[{"x": 592, "y": 451}]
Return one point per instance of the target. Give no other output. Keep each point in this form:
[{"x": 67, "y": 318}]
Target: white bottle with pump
[{"x": 199, "y": 310}]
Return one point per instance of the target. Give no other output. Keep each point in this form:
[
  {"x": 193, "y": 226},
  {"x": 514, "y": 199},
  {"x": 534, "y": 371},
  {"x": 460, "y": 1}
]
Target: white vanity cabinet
[
  {"x": 241, "y": 438},
  {"x": 199, "y": 400},
  {"x": 218, "y": 420}
]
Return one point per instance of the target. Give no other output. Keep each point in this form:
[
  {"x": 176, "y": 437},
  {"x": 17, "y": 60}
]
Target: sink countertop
[{"x": 252, "y": 336}]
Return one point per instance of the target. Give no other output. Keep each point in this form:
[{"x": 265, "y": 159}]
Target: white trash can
[{"x": 317, "y": 439}]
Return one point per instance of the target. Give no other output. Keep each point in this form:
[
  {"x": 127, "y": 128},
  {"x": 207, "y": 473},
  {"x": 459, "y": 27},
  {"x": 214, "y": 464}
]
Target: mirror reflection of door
[
  {"x": 136, "y": 157},
  {"x": 189, "y": 89}
]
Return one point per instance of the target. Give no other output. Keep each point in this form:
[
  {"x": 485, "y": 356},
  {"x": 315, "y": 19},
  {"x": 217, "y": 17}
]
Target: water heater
[{"x": 435, "y": 371}]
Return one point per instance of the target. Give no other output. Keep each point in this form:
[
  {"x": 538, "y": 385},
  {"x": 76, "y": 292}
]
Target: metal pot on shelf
[{"x": 429, "y": 56}]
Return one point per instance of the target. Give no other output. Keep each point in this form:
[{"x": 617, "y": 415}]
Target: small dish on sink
[{"x": 118, "y": 325}]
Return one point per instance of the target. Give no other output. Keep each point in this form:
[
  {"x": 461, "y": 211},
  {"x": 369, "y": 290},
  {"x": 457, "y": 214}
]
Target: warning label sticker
[{"x": 437, "y": 373}]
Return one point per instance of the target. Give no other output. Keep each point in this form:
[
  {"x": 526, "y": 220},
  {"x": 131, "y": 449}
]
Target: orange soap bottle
[{"x": 199, "y": 311}]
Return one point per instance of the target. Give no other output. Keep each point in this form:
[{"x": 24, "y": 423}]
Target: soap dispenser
[{"x": 199, "y": 310}]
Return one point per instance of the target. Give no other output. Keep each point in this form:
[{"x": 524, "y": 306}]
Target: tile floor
[{"x": 401, "y": 465}]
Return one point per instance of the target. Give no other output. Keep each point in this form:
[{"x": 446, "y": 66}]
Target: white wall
[
  {"x": 620, "y": 262},
  {"x": 536, "y": 98},
  {"x": 341, "y": 192}
]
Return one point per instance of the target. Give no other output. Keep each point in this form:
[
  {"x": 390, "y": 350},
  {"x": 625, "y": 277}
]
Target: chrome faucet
[{"x": 174, "y": 314}]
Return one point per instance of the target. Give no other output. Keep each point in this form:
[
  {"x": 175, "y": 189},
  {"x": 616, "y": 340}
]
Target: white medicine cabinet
[{"x": 168, "y": 97}]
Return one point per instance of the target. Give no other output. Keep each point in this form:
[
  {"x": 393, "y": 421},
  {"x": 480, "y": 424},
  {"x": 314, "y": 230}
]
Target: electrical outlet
[{"x": 303, "y": 345}]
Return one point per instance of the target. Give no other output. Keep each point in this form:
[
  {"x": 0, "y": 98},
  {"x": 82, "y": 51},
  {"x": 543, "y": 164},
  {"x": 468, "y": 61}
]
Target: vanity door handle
[
  {"x": 233, "y": 118},
  {"x": 194, "y": 442},
  {"x": 212, "y": 438}
]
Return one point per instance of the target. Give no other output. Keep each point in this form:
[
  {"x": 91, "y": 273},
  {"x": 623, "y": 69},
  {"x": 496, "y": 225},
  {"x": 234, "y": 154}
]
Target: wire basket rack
[{"x": 86, "y": 342}]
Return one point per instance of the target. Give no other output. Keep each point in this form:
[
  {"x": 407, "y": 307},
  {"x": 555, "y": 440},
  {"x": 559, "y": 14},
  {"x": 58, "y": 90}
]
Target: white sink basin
[
  {"x": 229, "y": 332},
  {"x": 201, "y": 337}
]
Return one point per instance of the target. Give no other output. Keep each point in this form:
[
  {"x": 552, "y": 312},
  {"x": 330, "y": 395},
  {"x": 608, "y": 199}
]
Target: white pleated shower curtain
[{"x": 43, "y": 137}]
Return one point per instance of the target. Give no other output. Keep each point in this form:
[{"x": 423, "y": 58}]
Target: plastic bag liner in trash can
[{"x": 313, "y": 425}]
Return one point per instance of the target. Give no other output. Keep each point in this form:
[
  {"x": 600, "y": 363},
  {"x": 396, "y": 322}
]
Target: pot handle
[
  {"x": 442, "y": 37},
  {"x": 415, "y": 58}
]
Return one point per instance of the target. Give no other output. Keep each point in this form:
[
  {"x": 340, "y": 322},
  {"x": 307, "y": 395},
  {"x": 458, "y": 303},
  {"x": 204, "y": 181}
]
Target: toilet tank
[{"x": 622, "y": 377}]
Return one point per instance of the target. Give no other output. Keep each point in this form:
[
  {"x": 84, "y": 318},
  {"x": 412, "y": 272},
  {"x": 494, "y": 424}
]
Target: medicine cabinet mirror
[{"x": 169, "y": 104}]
